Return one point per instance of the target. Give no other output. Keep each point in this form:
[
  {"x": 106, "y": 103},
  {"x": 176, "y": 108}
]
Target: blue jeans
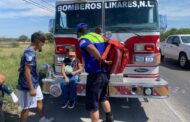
[{"x": 69, "y": 90}]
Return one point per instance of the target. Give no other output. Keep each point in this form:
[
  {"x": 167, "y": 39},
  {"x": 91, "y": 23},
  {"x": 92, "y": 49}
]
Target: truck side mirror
[
  {"x": 51, "y": 25},
  {"x": 163, "y": 22}
]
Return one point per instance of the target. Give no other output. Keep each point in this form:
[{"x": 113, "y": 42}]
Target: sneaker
[
  {"x": 71, "y": 104},
  {"x": 43, "y": 119},
  {"x": 65, "y": 104},
  {"x": 109, "y": 119}
]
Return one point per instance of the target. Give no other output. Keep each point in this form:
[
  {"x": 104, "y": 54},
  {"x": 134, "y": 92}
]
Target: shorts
[
  {"x": 96, "y": 90},
  {"x": 26, "y": 101}
]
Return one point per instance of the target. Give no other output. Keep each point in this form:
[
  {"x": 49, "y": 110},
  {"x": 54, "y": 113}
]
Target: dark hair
[
  {"x": 98, "y": 30},
  {"x": 70, "y": 49},
  {"x": 81, "y": 30},
  {"x": 38, "y": 36}
]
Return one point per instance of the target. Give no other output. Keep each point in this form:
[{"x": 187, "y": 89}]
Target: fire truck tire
[{"x": 183, "y": 61}]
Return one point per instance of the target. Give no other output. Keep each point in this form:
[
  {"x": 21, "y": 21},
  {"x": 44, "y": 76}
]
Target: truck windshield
[
  {"x": 133, "y": 15},
  {"x": 185, "y": 39},
  {"x": 117, "y": 15},
  {"x": 69, "y": 15}
]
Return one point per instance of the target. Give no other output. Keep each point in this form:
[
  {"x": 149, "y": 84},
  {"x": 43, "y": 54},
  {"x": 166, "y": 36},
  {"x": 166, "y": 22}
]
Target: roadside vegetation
[
  {"x": 174, "y": 31},
  {"x": 9, "y": 64},
  {"x": 24, "y": 38}
]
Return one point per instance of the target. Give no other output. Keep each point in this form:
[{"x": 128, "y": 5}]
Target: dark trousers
[
  {"x": 96, "y": 90},
  {"x": 2, "y": 119}
]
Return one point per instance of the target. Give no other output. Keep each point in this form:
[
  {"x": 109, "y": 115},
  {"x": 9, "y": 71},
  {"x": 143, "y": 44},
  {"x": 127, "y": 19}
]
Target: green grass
[{"x": 9, "y": 64}]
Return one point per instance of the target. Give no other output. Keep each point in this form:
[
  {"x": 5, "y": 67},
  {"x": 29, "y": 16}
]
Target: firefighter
[
  {"x": 92, "y": 46},
  {"x": 29, "y": 91}
]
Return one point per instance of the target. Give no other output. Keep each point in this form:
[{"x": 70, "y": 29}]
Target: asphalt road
[
  {"x": 173, "y": 109},
  {"x": 179, "y": 81}
]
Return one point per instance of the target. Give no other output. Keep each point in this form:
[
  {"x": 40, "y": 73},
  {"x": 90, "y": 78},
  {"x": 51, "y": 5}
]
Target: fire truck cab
[{"x": 132, "y": 22}]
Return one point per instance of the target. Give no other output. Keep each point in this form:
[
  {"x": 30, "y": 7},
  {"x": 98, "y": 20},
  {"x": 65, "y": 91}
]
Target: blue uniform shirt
[
  {"x": 92, "y": 65},
  {"x": 28, "y": 58}
]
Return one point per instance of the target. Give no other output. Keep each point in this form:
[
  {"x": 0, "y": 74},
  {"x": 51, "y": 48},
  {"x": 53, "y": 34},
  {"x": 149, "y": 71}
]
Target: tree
[
  {"x": 174, "y": 31},
  {"x": 49, "y": 37},
  {"x": 23, "y": 38}
]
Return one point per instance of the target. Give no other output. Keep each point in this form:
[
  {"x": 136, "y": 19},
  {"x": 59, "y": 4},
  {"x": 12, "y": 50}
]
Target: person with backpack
[
  {"x": 92, "y": 46},
  {"x": 71, "y": 68}
]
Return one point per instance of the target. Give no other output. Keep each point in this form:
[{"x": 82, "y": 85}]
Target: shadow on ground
[
  {"x": 10, "y": 117},
  {"x": 123, "y": 111},
  {"x": 130, "y": 111},
  {"x": 172, "y": 64}
]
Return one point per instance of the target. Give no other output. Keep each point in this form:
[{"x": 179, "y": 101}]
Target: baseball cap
[{"x": 81, "y": 25}]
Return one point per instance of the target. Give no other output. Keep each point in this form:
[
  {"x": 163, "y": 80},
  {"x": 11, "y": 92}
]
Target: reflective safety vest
[{"x": 93, "y": 37}]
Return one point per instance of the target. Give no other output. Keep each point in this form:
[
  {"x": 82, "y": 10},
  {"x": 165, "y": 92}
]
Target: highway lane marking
[
  {"x": 170, "y": 107},
  {"x": 89, "y": 120},
  {"x": 173, "y": 110}
]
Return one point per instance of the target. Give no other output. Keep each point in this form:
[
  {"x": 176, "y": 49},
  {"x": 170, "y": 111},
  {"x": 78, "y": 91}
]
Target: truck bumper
[
  {"x": 120, "y": 86},
  {"x": 134, "y": 88}
]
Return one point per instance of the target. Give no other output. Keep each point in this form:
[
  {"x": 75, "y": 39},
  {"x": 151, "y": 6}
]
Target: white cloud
[
  {"x": 20, "y": 8},
  {"x": 175, "y": 10}
]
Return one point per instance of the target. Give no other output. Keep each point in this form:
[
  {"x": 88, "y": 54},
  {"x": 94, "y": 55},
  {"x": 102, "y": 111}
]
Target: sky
[{"x": 18, "y": 17}]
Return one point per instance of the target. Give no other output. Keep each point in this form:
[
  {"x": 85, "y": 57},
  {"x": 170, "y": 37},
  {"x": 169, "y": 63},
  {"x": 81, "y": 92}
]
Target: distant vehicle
[{"x": 177, "y": 47}]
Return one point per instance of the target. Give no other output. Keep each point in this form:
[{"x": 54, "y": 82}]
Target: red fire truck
[{"x": 132, "y": 22}]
